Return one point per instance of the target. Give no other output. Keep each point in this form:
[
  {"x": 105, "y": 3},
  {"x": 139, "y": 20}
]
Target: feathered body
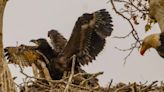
[{"x": 44, "y": 47}]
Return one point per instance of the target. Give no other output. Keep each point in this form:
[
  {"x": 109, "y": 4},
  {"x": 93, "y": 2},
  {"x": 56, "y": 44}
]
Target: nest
[{"x": 83, "y": 82}]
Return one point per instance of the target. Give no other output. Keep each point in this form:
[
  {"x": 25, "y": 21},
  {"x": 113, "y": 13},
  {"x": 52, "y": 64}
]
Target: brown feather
[
  {"x": 58, "y": 41},
  {"x": 88, "y": 37},
  {"x": 22, "y": 55}
]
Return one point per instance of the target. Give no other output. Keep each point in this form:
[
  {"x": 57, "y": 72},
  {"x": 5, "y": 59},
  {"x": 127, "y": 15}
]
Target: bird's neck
[{"x": 47, "y": 50}]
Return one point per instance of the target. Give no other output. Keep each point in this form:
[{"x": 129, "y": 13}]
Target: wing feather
[
  {"x": 23, "y": 55},
  {"x": 58, "y": 41},
  {"x": 88, "y": 37}
]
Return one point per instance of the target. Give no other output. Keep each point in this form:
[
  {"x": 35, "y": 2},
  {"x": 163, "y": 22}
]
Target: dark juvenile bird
[
  {"x": 26, "y": 56},
  {"x": 87, "y": 39},
  {"x": 86, "y": 42},
  {"x": 44, "y": 47},
  {"x": 155, "y": 41},
  {"x": 50, "y": 54}
]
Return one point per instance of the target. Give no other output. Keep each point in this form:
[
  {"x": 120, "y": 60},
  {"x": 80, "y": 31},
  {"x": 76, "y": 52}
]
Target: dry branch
[
  {"x": 72, "y": 73},
  {"x": 132, "y": 11}
]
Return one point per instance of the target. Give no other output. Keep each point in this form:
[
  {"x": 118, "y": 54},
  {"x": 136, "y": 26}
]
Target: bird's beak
[
  {"x": 33, "y": 41},
  {"x": 142, "y": 51}
]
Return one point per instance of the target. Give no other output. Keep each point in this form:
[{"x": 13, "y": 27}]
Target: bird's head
[
  {"x": 151, "y": 41},
  {"x": 52, "y": 33},
  {"x": 39, "y": 42}
]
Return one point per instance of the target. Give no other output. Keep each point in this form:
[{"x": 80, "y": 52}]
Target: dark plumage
[
  {"x": 86, "y": 42},
  {"x": 88, "y": 37},
  {"x": 45, "y": 48},
  {"x": 160, "y": 49},
  {"x": 57, "y": 40},
  {"x": 26, "y": 55},
  {"x": 50, "y": 54}
]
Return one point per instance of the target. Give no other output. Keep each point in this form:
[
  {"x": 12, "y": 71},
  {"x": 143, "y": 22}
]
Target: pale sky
[{"x": 31, "y": 19}]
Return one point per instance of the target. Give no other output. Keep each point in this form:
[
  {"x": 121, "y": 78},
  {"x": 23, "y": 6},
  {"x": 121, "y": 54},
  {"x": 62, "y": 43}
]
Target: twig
[
  {"x": 133, "y": 46},
  {"x": 149, "y": 86},
  {"x": 133, "y": 32},
  {"x": 91, "y": 77},
  {"x": 72, "y": 73},
  {"x": 122, "y": 37},
  {"x": 109, "y": 86},
  {"x": 131, "y": 7}
]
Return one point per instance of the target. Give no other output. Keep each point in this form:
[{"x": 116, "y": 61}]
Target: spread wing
[
  {"x": 23, "y": 55},
  {"x": 58, "y": 41},
  {"x": 88, "y": 37}
]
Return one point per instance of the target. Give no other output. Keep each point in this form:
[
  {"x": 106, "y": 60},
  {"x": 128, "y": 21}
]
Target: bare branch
[
  {"x": 131, "y": 10},
  {"x": 72, "y": 73}
]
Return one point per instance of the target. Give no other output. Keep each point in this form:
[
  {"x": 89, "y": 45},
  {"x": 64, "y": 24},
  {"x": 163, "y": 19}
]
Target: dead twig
[
  {"x": 148, "y": 87},
  {"x": 72, "y": 73},
  {"x": 131, "y": 11}
]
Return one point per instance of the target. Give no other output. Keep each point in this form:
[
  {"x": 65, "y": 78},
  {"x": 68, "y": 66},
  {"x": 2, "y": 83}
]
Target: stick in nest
[{"x": 72, "y": 73}]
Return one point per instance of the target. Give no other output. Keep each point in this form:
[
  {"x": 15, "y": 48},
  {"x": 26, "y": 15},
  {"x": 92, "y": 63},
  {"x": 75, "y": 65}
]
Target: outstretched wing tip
[
  {"x": 103, "y": 26},
  {"x": 22, "y": 55}
]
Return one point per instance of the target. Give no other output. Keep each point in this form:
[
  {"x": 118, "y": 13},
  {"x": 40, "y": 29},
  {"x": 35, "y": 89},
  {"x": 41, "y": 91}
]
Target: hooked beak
[
  {"x": 142, "y": 51},
  {"x": 33, "y": 41}
]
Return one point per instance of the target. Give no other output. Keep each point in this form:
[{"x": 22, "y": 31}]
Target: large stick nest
[
  {"x": 83, "y": 82},
  {"x": 60, "y": 86}
]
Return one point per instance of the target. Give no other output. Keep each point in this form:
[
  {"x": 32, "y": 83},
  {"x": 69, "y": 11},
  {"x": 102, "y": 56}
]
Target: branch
[
  {"x": 133, "y": 32},
  {"x": 72, "y": 73}
]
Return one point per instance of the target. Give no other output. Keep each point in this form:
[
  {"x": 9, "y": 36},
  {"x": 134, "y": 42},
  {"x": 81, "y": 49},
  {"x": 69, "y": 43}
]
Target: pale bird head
[{"x": 151, "y": 41}]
